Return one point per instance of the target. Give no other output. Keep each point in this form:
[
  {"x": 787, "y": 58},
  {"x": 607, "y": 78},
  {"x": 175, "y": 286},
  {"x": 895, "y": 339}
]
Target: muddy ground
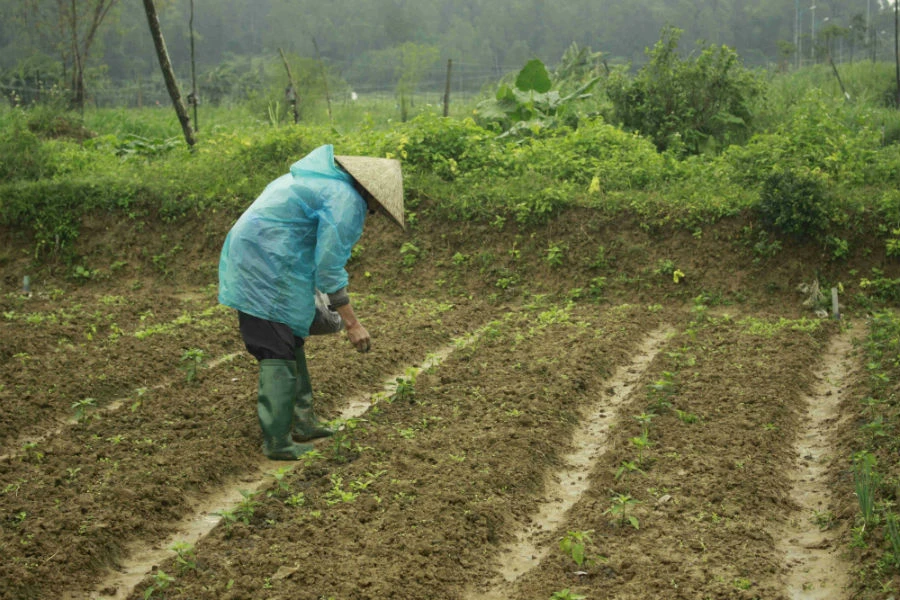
[{"x": 655, "y": 427}]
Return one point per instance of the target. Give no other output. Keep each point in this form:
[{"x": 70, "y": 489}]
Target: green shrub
[
  {"x": 796, "y": 201},
  {"x": 24, "y": 156},
  {"x": 687, "y": 105},
  {"x": 617, "y": 159}
]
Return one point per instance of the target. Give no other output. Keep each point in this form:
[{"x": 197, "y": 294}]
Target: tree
[
  {"x": 73, "y": 25},
  {"x": 415, "y": 59},
  {"x": 169, "y": 75}
]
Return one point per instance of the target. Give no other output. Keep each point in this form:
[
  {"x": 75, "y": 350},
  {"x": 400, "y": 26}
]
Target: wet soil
[{"x": 671, "y": 413}]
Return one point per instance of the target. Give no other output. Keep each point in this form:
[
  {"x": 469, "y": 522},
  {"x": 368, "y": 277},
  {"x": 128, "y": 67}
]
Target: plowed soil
[{"x": 127, "y": 402}]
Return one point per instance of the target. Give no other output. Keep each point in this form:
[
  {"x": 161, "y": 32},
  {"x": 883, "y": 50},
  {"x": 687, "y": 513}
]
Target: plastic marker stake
[{"x": 835, "y": 309}]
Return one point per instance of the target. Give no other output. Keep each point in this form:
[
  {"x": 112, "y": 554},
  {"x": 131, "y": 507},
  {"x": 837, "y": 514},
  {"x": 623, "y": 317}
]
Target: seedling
[
  {"x": 343, "y": 439},
  {"x": 621, "y": 504},
  {"x": 409, "y": 254},
  {"x": 686, "y": 417},
  {"x": 337, "y": 493},
  {"x": 282, "y": 486},
  {"x": 81, "y": 408},
  {"x": 245, "y": 509},
  {"x": 641, "y": 442},
  {"x": 865, "y": 482},
  {"x": 566, "y": 595},
  {"x": 573, "y": 545},
  {"x": 161, "y": 582},
  {"x": 192, "y": 362},
  {"x": 644, "y": 419},
  {"x": 555, "y": 254},
  {"x": 295, "y": 500},
  {"x": 662, "y": 391},
  {"x": 626, "y": 468},
  {"x": 892, "y": 533},
  {"x": 185, "y": 557},
  {"x": 405, "y": 389}
]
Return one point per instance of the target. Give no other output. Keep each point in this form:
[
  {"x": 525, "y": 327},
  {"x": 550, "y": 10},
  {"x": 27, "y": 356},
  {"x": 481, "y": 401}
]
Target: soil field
[{"x": 522, "y": 429}]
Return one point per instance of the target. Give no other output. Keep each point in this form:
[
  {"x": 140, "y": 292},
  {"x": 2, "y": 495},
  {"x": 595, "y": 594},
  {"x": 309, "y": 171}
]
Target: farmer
[{"x": 294, "y": 241}]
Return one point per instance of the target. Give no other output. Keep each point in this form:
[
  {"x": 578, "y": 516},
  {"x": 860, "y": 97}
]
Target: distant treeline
[{"x": 362, "y": 42}]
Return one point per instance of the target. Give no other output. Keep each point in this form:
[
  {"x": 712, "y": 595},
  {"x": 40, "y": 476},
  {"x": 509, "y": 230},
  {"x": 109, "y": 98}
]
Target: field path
[
  {"x": 590, "y": 440},
  {"x": 811, "y": 550}
]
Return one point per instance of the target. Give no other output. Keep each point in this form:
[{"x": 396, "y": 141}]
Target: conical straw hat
[{"x": 382, "y": 178}]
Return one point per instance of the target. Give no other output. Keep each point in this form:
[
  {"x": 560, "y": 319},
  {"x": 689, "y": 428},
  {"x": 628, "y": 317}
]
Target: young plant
[
  {"x": 342, "y": 442},
  {"x": 337, "y": 493},
  {"x": 246, "y": 507},
  {"x": 686, "y": 417},
  {"x": 892, "y": 533},
  {"x": 662, "y": 391},
  {"x": 282, "y": 487},
  {"x": 185, "y": 557},
  {"x": 192, "y": 362},
  {"x": 161, "y": 582},
  {"x": 865, "y": 482},
  {"x": 626, "y": 468},
  {"x": 621, "y": 504},
  {"x": 573, "y": 544},
  {"x": 405, "y": 389},
  {"x": 81, "y": 408},
  {"x": 641, "y": 442},
  {"x": 566, "y": 595}
]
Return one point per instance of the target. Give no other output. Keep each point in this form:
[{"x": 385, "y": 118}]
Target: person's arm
[{"x": 356, "y": 333}]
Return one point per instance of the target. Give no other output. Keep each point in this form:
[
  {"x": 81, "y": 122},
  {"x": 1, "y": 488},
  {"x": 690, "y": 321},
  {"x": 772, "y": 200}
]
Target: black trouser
[{"x": 267, "y": 339}]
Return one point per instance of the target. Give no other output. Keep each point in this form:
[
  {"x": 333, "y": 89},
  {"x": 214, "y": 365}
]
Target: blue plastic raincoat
[{"x": 294, "y": 238}]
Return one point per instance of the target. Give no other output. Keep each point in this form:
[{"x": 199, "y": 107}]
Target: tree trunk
[
  {"x": 168, "y": 74},
  {"x": 897, "y": 46}
]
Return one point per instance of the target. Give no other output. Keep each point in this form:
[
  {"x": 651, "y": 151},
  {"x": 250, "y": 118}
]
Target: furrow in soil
[
  {"x": 568, "y": 484},
  {"x": 810, "y": 547}
]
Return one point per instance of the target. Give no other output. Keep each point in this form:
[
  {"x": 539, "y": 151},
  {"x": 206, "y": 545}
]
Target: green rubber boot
[
  {"x": 306, "y": 424},
  {"x": 275, "y": 402}
]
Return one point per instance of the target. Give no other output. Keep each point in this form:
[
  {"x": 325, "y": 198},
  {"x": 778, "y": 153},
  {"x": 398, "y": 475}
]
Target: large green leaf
[{"x": 534, "y": 77}]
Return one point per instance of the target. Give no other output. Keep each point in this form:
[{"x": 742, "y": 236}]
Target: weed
[
  {"x": 295, "y": 500},
  {"x": 823, "y": 519},
  {"x": 555, "y": 254},
  {"x": 686, "y": 417},
  {"x": 742, "y": 583},
  {"x": 409, "y": 254}
]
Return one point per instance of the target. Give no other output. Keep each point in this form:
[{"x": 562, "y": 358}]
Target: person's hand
[{"x": 359, "y": 337}]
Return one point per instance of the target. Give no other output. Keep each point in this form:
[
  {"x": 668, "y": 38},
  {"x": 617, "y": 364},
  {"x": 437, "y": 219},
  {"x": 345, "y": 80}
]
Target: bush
[
  {"x": 796, "y": 201},
  {"x": 24, "y": 156},
  {"x": 617, "y": 159},
  {"x": 687, "y": 105}
]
